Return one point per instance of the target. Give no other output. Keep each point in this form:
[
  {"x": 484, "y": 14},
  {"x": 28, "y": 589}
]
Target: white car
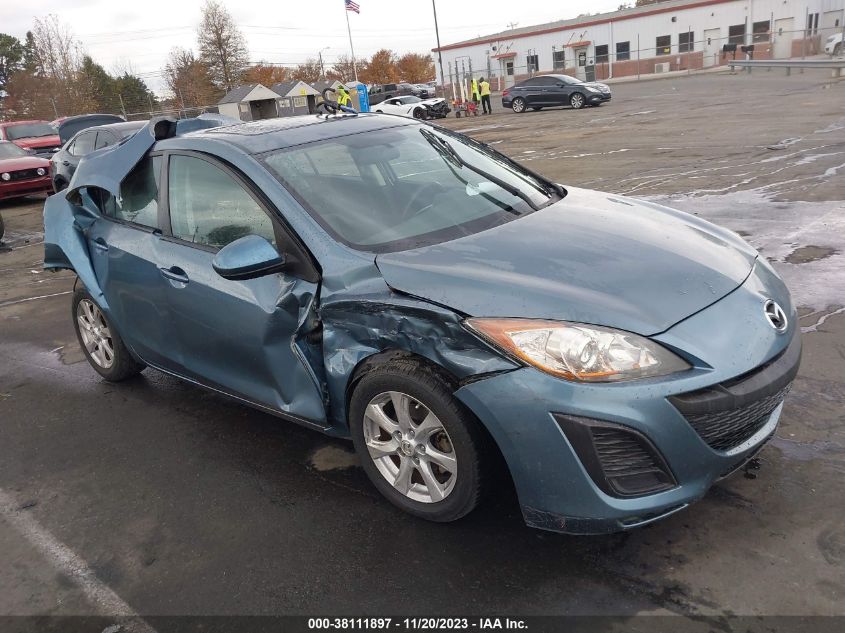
[
  {"x": 833, "y": 45},
  {"x": 415, "y": 107}
]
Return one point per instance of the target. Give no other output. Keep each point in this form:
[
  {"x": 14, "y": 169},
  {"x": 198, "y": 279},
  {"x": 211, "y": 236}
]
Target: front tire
[
  {"x": 577, "y": 101},
  {"x": 518, "y": 105},
  {"x": 837, "y": 50},
  {"x": 59, "y": 184},
  {"x": 100, "y": 342},
  {"x": 418, "y": 445}
]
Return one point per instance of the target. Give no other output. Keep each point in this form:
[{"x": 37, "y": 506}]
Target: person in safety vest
[
  {"x": 475, "y": 95},
  {"x": 343, "y": 96},
  {"x": 485, "y": 96}
]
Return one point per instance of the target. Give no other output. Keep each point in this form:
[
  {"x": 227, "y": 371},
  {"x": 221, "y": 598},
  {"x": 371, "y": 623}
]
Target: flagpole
[{"x": 351, "y": 48}]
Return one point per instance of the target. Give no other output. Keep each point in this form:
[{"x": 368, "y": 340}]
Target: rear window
[{"x": 29, "y": 130}]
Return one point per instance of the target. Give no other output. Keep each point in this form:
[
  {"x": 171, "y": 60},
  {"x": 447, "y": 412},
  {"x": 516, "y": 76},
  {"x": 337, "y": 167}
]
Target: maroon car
[
  {"x": 39, "y": 136},
  {"x": 21, "y": 173}
]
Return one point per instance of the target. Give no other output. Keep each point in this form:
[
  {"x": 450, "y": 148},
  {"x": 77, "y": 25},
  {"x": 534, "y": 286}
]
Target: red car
[
  {"x": 39, "y": 136},
  {"x": 21, "y": 173}
]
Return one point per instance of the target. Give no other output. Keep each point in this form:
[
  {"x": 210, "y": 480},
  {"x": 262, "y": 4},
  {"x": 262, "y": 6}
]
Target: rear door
[
  {"x": 243, "y": 337},
  {"x": 124, "y": 246}
]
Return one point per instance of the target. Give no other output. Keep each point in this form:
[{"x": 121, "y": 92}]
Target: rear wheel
[
  {"x": 577, "y": 100},
  {"x": 418, "y": 445},
  {"x": 100, "y": 343},
  {"x": 518, "y": 105}
]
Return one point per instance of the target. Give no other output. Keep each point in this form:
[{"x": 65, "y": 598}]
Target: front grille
[
  {"x": 23, "y": 174},
  {"x": 723, "y": 430}
]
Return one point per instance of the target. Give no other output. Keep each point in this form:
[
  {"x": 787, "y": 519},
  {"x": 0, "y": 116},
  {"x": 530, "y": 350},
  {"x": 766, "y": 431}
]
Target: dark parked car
[
  {"x": 38, "y": 136},
  {"x": 21, "y": 172},
  {"x": 378, "y": 278},
  {"x": 69, "y": 126},
  {"x": 379, "y": 92},
  {"x": 545, "y": 91},
  {"x": 89, "y": 139}
]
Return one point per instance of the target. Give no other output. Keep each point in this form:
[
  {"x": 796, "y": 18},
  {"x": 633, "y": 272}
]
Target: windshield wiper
[{"x": 443, "y": 147}]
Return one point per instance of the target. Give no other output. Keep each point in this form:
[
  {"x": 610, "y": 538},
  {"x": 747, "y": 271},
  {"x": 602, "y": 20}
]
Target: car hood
[
  {"x": 24, "y": 162},
  {"x": 590, "y": 258}
]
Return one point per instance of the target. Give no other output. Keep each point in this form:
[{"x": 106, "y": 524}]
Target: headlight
[
  {"x": 40, "y": 171},
  {"x": 5, "y": 176},
  {"x": 588, "y": 353},
  {"x": 591, "y": 89}
]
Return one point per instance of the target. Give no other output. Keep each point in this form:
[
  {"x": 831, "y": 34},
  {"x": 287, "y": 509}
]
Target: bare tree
[
  {"x": 59, "y": 59},
  {"x": 222, "y": 46},
  {"x": 309, "y": 71},
  {"x": 343, "y": 69},
  {"x": 189, "y": 79}
]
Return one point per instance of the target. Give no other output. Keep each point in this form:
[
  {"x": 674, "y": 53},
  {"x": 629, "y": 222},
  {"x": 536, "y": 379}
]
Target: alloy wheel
[
  {"x": 518, "y": 105},
  {"x": 577, "y": 100},
  {"x": 95, "y": 333},
  {"x": 410, "y": 447}
]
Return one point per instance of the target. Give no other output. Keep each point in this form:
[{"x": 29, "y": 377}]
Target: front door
[
  {"x": 783, "y": 38},
  {"x": 124, "y": 247},
  {"x": 238, "y": 336},
  {"x": 581, "y": 63},
  {"x": 507, "y": 71},
  {"x": 712, "y": 47}
]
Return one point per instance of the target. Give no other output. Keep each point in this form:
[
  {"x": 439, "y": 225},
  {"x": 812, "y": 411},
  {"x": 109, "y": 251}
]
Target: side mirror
[{"x": 247, "y": 258}]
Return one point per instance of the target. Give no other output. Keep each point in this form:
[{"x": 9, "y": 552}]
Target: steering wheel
[{"x": 434, "y": 187}]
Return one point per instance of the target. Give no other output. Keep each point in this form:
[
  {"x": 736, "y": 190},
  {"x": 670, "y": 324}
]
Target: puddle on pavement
[
  {"x": 333, "y": 458},
  {"x": 806, "y": 254},
  {"x": 69, "y": 353}
]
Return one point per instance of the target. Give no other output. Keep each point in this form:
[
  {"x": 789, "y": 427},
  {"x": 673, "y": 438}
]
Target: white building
[{"x": 670, "y": 35}]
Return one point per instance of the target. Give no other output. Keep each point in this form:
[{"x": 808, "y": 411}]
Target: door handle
[
  {"x": 100, "y": 244},
  {"x": 174, "y": 273}
]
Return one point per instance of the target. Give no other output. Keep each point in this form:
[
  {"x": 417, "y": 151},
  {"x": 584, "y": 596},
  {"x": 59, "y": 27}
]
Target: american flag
[{"x": 352, "y": 6}]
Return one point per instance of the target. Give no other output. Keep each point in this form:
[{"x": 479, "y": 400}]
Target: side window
[
  {"x": 138, "y": 201},
  {"x": 84, "y": 144},
  {"x": 104, "y": 139},
  {"x": 208, "y": 206}
]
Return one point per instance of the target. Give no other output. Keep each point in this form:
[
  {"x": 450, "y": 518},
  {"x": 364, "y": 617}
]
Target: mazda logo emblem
[{"x": 775, "y": 316}]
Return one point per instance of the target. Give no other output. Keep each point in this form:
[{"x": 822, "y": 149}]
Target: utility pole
[
  {"x": 439, "y": 53},
  {"x": 150, "y": 99},
  {"x": 122, "y": 107},
  {"x": 55, "y": 111}
]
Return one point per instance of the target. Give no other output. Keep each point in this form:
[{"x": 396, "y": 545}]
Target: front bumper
[
  {"x": 730, "y": 345},
  {"x": 598, "y": 97},
  {"x": 18, "y": 188}
]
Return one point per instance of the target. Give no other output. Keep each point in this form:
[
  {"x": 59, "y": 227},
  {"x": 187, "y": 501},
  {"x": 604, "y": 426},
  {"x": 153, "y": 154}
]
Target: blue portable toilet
[{"x": 363, "y": 95}]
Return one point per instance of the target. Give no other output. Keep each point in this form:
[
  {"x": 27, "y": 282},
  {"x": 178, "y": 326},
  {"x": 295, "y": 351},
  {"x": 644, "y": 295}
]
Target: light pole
[
  {"x": 439, "y": 53},
  {"x": 320, "y": 55}
]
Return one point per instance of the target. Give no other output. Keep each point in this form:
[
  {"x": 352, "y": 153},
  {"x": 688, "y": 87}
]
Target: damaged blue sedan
[{"x": 385, "y": 280}]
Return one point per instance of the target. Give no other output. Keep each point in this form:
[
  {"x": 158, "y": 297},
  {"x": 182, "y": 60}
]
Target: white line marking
[
  {"x": 68, "y": 562},
  {"x": 55, "y": 294}
]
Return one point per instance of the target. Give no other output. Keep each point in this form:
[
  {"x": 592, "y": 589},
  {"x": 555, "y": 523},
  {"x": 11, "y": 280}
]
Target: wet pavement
[{"x": 177, "y": 501}]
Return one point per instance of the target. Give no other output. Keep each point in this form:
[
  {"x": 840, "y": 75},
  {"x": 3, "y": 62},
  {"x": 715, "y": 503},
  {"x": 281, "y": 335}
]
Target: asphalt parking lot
[{"x": 182, "y": 502}]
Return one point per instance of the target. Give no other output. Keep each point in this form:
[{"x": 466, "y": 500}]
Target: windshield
[
  {"x": 10, "y": 150},
  {"x": 29, "y": 130},
  {"x": 411, "y": 99},
  {"x": 406, "y": 187}
]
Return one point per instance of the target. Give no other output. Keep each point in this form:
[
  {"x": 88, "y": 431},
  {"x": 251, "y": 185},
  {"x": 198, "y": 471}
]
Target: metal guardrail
[{"x": 837, "y": 66}]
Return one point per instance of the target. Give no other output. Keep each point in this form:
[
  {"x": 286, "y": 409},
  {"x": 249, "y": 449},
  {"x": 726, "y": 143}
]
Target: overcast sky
[{"x": 139, "y": 34}]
